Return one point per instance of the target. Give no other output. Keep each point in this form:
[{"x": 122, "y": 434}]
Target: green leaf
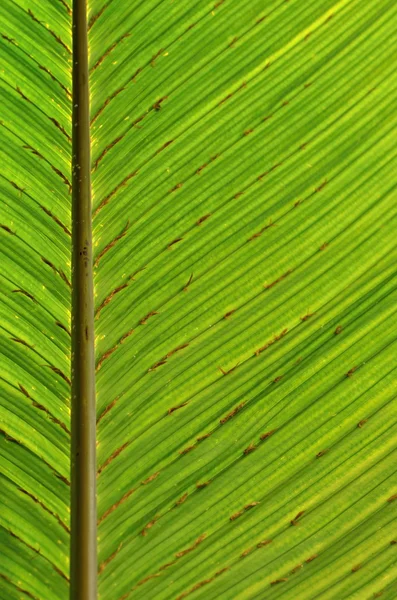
[{"x": 244, "y": 219}]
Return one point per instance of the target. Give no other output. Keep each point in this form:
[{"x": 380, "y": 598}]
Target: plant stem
[{"x": 83, "y": 554}]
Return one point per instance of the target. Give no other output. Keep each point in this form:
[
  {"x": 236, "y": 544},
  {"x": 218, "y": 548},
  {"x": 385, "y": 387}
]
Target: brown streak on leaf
[
  {"x": 181, "y": 500},
  {"x": 96, "y": 16},
  {"x": 64, "y": 278},
  {"x": 198, "y": 172},
  {"x": 62, "y": 478},
  {"x": 167, "y": 565},
  {"x": 236, "y": 515},
  {"x": 176, "y": 187},
  {"x": 19, "y": 341},
  {"x": 264, "y": 543},
  {"x": 104, "y": 105},
  {"x": 247, "y": 551},
  {"x": 54, "y": 35},
  {"x": 149, "y": 526},
  {"x": 126, "y": 335},
  {"x": 322, "y": 452},
  {"x": 106, "y": 150},
  {"x": 229, "y": 314},
  {"x": 49, "y": 264},
  {"x": 188, "y": 449},
  {"x": 229, "y": 371},
  {"x": 174, "y": 242},
  {"x": 108, "y": 51},
  {"x": 155, "y": 57},
  {"x": 306, "y": 317},
  {"x": 24, "y": 391},
  {"x": 351, "y": 371},
  {"x": 107, "y": 409},
  {"x": 202, "y": 485},
  {"x": 270, "y": 285},
  {"x": 192, "y": 547},
  {"x": 17, "y": 187},
  {"x": 309, "y": 560},
  {"x": 52, "y": 418},
  {"x": 174, "y": 408},
  {"x": 251, "y": 505},
  {"x": 177, "y": 349},
  {"x": 109, "y": 298},
  {"x": 61, "y": 326},
  {"x": 164, "y": 146},
  {"x": 43, "y": 506},
  {"x": 249, "y": 449},
  {"x": 148, "y": 316},
  {"x": 296, "y": 569},
  {"x": 202, "y": 219},
  {"x": 232, "y": 413},
  {"x": 112, "y": 243},
  {"x": 151, "y": 478},
  {"x": 232, "y": 43},
  {"x": 266, "y": 435},
  {"x": 57, "y": 221},
  {"x": 104, "y": 357},
  {"x": 109, "y": 559},
  {"x": 112, "y": 457},
  {"x": 114, "y": 192},
  {"x": 135, "y": 75},
  {"x": 295, "y": 520},
  {"x": 116, "y": 505},
  {"x": 157, "y": 105},
  {"x": 321, "y": 186},
  {"x": 188, "y": 283},
  {"x": 18, "y": 587},
  {"x": 25, "y": 293},
  {"x": 157, "y": 364},
  {"x": 146, "y": 579},
  {"x": 7, "y": 229},
  {"x": 276, "y": 338},
  {"x": 9, "y": 438}
]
